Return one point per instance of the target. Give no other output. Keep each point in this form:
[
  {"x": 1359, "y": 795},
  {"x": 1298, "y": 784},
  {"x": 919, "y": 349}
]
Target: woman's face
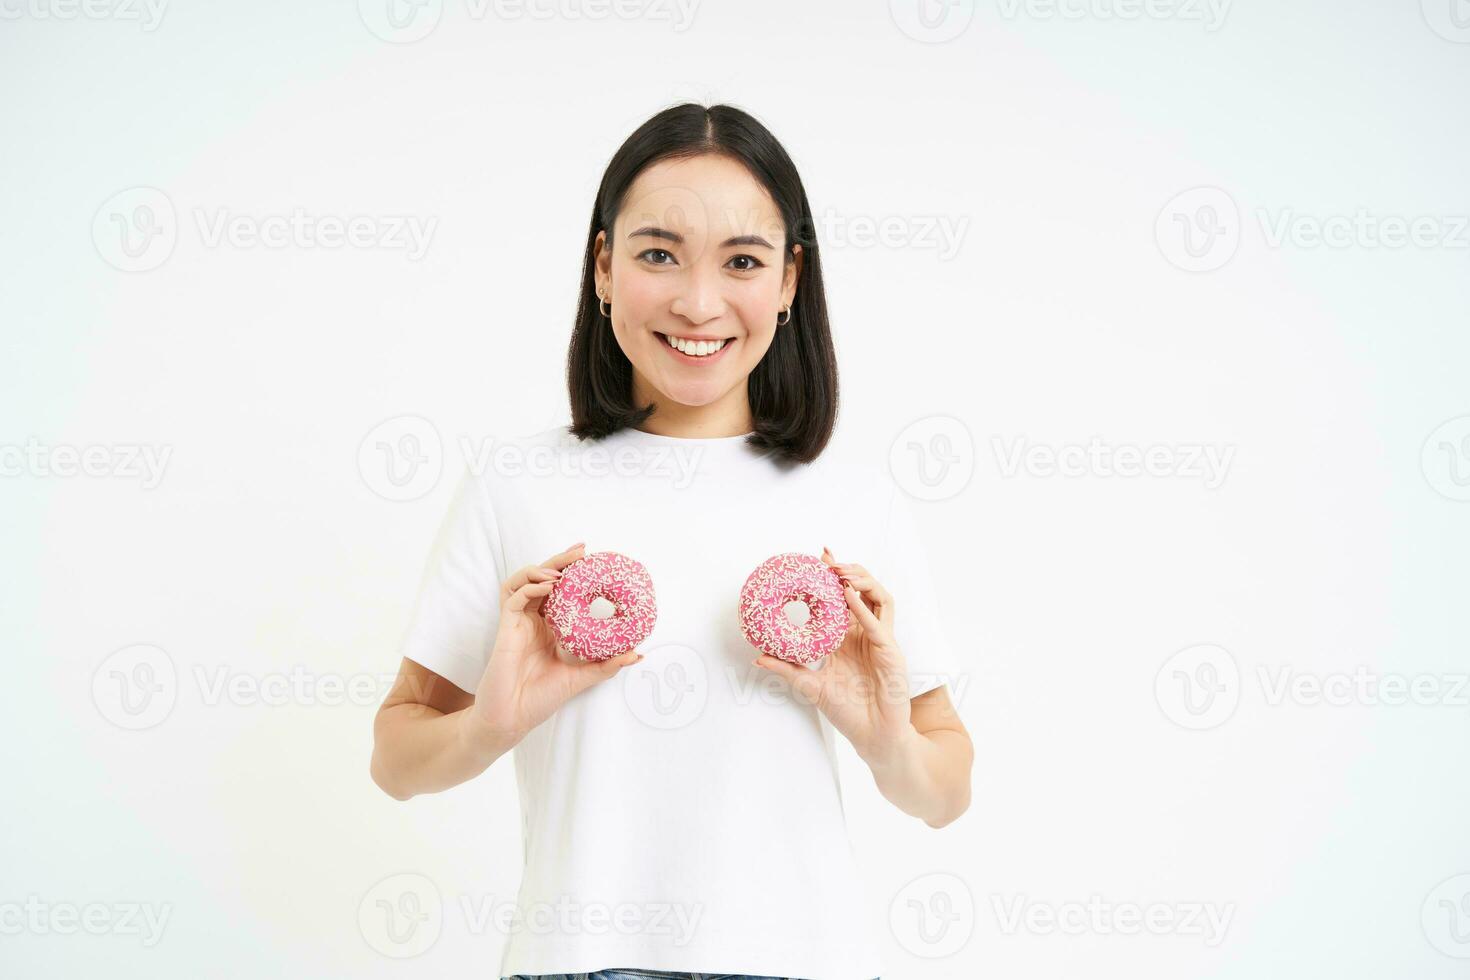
[{"x": 694, "y": 273}]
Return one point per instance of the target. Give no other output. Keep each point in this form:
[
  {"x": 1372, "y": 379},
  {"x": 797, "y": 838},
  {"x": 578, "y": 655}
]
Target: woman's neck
[{"x": 728, "y": 416}]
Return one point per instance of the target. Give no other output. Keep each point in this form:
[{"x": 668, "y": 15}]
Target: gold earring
[
  {"x": 607, "y": 313},
  {"x": 780, "y": 322}
]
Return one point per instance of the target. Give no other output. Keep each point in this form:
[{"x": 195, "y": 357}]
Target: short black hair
[{"x": 793, "y": 390}]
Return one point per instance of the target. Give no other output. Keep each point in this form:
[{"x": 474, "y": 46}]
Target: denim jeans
[{"x": 631, "y": 974}]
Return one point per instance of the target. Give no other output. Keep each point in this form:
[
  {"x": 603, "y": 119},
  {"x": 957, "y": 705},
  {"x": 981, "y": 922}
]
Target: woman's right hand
[{"x": 529, "y": 675}]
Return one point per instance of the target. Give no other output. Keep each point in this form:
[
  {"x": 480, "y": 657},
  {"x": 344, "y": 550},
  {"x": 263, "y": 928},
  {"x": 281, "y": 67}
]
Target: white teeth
[{"x": 696, "y": 348}]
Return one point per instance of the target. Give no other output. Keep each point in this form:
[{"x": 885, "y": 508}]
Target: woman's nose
[{"x": 700, "y": 298}]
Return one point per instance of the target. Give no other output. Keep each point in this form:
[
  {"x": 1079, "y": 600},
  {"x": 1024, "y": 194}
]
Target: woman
[{"x": 685, "y": 819}]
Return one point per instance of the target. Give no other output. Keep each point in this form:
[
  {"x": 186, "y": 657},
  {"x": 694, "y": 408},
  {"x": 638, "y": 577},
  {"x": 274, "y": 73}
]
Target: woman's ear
[
  {"x": 601, "y": 264},
  {"x": 791, "y": 276}
]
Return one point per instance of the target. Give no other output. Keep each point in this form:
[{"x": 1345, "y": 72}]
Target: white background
[{"x": 1059, "y": 141}]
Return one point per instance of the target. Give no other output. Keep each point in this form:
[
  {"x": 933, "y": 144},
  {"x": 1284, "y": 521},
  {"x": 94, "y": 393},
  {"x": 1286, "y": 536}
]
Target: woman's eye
[
  {"x": 647, "y": 256},
  {"x": 755, "y": 263}
]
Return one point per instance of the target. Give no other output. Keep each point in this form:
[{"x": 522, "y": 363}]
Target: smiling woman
[
  {"x": 704, "y": 783},
  {"x": 697, "y": 259}
]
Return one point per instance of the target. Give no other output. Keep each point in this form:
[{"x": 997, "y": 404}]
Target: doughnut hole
[
  {"x": 798, "y": 611},
  {"x": 601, "y": 607}
]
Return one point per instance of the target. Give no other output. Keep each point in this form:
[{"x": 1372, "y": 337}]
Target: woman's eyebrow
[{"x": 653, "y": 231}]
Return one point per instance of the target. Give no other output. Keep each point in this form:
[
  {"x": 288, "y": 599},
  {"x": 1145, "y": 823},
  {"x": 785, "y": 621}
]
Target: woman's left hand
[{"x": 862, "y": 687}]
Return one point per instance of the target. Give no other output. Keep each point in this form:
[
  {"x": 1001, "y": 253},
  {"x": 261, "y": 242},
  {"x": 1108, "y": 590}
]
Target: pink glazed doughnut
[
  {"x": 793, "y": 577},
  {"x": 607, "y": 575}
]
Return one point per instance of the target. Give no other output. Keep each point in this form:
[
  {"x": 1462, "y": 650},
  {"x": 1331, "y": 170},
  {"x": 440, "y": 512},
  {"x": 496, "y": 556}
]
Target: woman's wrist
[
  {"x": 893, "y": 753},
  {"x": 483, "y": 742}
]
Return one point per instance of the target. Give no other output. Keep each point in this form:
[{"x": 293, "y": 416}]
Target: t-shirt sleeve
[
  {"x": 457, "y": 611},
  {"x": 917, "y": 626}
]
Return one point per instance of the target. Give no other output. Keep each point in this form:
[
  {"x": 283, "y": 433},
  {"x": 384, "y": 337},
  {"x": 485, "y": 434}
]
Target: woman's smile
[{"x": 695, "y": 350}]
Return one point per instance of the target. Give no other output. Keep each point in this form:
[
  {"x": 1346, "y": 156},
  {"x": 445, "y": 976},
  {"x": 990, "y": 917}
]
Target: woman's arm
[
  {"x": 926, "y": 772},
  {"x": 429, "y": 735},
  {"x": 917, "y": 748},
  {"x": 420, "y": 742}
]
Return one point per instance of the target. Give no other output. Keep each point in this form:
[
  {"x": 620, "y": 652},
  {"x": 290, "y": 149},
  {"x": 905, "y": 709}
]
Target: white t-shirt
[{"x": 690, "y": 805}]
